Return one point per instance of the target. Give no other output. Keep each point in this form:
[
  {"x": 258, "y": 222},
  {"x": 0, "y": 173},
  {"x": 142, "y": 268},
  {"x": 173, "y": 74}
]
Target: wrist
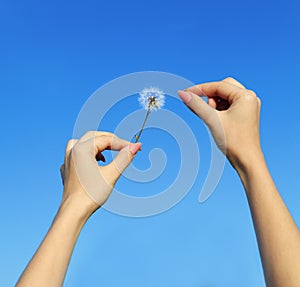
[
  {"x": 248, "y": 163},
  {"x": 79, "y": 207}
]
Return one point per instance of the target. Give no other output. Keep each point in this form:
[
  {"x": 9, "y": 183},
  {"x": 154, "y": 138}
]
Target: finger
[
  {"x": 213, "y": 102},
  {"x": 259, "y": 106},
  {"x": 91, "y": 134},
  {"x": 223, "y": 90},
  {"x": 259, "y": 102},
  {"x": 122, "y": 160},
  {"x": 100, "y": 143},
  {"x": 198, "y": 106},
  {"x": 70, "y": 144},
  {"x": 220, "y": 104},
  {"x": 234, "y": 82}
]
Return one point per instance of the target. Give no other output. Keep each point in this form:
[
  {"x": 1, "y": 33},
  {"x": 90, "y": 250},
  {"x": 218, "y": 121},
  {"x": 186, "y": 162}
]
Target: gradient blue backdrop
[{"x": 54, "y": 54}]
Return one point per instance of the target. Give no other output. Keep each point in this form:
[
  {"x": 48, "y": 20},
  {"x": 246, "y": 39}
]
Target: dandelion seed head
[{"x": 152, "y": 98}]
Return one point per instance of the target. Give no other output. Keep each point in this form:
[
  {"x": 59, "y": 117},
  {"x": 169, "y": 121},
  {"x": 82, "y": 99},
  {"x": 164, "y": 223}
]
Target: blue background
[{"x": 54, "y": 54}]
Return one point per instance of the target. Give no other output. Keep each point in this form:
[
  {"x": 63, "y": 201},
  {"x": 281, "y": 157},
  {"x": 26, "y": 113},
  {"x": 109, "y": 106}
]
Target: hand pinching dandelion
[{"x": 151, "y": 99}]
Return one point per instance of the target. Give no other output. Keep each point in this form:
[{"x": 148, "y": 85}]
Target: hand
[
  {"x": 86, "y": 184},
  {"x": 86, "y": 187},
  {"x": 232, "y": 114}
]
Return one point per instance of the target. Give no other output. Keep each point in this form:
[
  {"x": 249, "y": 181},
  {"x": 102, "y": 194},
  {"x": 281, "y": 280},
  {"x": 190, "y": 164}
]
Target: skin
[
  {"x": 49, "y": 264},
  {"x": 232, "y": 114}
]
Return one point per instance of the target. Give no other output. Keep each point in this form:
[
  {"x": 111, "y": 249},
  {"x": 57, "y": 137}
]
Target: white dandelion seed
[{"x": 151, "y": 99}]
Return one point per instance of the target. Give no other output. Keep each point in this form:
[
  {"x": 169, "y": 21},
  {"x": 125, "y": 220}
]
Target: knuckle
[
  {"x": 219, "y": 86},
  {"x": 250, "y": 96},
  {"x": 90, "y": 134},
  {"x": 251, "y": 93},
  {"x": 105, "y": 138},
  {"x": 108, "y": 133},
  {"x": 229, "y": 79},
  {"x": 70, "y": 143},
  {"x": 104, "y": 133}
]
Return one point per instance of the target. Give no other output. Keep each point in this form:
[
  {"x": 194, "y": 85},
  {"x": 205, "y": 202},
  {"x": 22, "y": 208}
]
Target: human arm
[
  {"x": 48, "y": 266},
  {"x": 232, "y": 114}
]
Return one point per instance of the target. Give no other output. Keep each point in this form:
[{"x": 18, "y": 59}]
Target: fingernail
[
  {"x": 134, "y": 148},
  {"x": 185, "y": 96}
]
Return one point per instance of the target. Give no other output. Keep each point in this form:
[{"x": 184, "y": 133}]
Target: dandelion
[{"x": 151, "y": 99}]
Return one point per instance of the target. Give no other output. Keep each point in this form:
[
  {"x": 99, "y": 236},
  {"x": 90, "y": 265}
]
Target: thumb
[
  {"x": 198, "y": 106},
  {"x": 122, "y": 160}
]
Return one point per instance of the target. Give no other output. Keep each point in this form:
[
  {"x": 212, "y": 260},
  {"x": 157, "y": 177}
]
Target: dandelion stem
[{"x": 145, "y": 120}]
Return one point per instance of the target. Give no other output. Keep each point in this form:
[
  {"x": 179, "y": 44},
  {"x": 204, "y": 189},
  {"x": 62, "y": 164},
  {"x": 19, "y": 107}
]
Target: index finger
[
  {"x": 104, "y": 142},
  {"x": 92, "y": 134},
  {"x": 110, "y": 142},
  {"x": 223, "y": 90}
]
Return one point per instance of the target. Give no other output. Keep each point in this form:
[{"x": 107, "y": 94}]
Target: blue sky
[{"x": 55, "y": 54}]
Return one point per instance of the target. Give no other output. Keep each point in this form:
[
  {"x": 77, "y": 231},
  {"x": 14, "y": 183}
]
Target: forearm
[
  {"x": 49, "y": 264},
  {"x": 277, "y": 234}
]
